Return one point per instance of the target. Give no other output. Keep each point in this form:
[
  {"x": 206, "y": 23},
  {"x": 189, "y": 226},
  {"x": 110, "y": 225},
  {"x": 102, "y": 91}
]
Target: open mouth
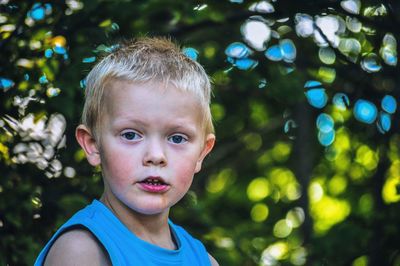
[
  {"x": 154, "y": 185},
  {"x": 153, "y": 182}
]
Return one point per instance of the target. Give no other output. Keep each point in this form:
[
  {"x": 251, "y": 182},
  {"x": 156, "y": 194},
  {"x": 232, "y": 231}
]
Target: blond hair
[{"x": 143, "y": 60}]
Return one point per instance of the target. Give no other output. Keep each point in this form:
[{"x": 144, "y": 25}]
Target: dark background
[{"x": 267, "y": 194}]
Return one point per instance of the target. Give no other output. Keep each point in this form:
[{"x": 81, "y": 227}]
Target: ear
[
  {"x": 208, "y": 146},
  {"x": 88, "y": 144}
]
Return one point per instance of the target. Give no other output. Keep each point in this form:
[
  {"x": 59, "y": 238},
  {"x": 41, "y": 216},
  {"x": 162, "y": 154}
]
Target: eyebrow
[
  {"x": 119, "y": 121},
  {"x": 178, "y": 126}
]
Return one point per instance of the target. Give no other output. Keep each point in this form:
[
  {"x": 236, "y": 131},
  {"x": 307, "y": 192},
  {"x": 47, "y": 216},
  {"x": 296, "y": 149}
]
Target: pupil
[
  {"x": 130, "y": 135},
  {"x": 177, "y": 139}
]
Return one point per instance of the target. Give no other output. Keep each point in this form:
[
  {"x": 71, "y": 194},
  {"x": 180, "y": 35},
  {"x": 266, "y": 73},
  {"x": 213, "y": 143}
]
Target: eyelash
[
  {"x": 136, "y": 136},
  {"x": 183, "y": 138}
]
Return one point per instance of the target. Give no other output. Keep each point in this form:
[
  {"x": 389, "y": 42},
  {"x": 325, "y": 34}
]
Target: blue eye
[
  {"x": 177, "y": 139},
  {"x": 130, "y": 135}
]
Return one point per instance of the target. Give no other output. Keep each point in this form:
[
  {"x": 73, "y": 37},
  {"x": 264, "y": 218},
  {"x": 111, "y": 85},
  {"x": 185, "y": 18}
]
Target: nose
[{"x": 154, "y": 154}]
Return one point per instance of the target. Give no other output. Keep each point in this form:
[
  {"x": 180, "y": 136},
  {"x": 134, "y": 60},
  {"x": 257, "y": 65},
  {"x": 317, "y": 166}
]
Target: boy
[{"x": 147, "y": 122}]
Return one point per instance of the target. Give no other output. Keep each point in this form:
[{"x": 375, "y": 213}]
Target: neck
[{"x": 150, "y": 228}]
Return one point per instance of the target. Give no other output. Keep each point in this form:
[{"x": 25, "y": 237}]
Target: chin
[{"x": 152, "y": 210}]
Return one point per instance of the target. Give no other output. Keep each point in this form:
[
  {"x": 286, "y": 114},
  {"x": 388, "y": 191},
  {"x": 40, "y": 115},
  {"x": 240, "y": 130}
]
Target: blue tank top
[{"x": 124, "y": 248}]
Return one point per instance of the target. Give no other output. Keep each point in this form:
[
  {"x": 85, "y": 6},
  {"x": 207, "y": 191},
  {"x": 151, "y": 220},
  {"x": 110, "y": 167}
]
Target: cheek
[
  {"x": 116, "y": 168},
  {"x": 185, "y": 172}
]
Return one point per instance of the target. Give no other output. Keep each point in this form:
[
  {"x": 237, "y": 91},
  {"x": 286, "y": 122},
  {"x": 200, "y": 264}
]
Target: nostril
[
  {"x": 154, "y": 153},
  {"x": 155, "y": 161}
]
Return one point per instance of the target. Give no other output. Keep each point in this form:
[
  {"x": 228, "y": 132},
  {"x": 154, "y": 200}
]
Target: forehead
[{"x": 133, "y": 98}]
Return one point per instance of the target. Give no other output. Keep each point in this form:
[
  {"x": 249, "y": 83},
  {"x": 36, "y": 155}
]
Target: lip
[{"x": 154, "y": 188}]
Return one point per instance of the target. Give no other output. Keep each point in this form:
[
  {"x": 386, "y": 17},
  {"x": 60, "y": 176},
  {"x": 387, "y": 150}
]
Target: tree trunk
[{"x": 303, "y": 160}]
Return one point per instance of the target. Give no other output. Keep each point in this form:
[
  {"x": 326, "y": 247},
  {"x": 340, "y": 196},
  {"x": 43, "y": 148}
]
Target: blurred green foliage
[{"x": 269, "y": 193}]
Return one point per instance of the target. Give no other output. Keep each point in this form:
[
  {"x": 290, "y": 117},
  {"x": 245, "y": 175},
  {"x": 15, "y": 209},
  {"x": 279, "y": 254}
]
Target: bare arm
[
  {"x": 77, "y": 247},
  {"x": 212, "y": 260}
]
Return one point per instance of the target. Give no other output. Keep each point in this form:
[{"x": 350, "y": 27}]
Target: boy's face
[{"x": 151, "y": 143}]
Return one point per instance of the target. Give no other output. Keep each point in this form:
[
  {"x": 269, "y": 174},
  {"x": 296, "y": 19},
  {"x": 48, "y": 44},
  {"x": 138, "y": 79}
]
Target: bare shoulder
[
  {"x": 77, "y": 247},
  {"x": 212, "y": 260}
]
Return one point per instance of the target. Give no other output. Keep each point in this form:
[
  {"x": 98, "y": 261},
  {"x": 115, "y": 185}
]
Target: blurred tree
[{"x": 309, "y": 176}]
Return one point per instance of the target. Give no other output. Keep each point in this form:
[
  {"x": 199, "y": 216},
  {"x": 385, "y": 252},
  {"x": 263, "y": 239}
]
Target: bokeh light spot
[
  {"x": 341, "y": 101},
  {"x": 244, "y": 63},
  {"x": 327, "y": 212},
  {"x": 327, "y": 55},
  {"x": 281, "y": 151},
  {"x": 353, "y": 24},
  {"x": 282, "y": 228},
  {"x": 274, "y": 252},
  {"x": 43, "y": 79},
  {"x": 59, "y": 50},
  {"x": 262, "y": 84},
  {"x": 317, "y": 97},
  {"x": 388, "y": 50},
  {"x": 389, "y": 191},
  {"x": 365, "y": 111},
  {"x": 82, "y": 83},
  {"x": 289, "y": 128},
  {"x": 366, "y": 157},
  {"x": 217, "y": 111},
  {"x": 256, "y": 33},
  {"x": 325, "y": 123},
  {"x": 262, "y": 7},
  {"x": 370, "y": 63},
  {"x": 360, "y": 261},
  {"x": 365, "y": 204},
  {"x": 259, "y": 212},
  {"x": 89, "y": 59},
  {"x": 326, "y": 138},
  {"x": 337, "y": 185},
  {"x": 330, "y": 26},
  {"x": 252, "y": 141},
  {"x": 59, "y": 40},
  {"x": 326, "y": 74},
  {"x": 52, "y": 92},
  {"x": 288, "y": 50},
  {"x": 312, "y": 84},
  {"x": 218, "y": 183},
  {"x": 350, "y": 47},
  {"x": 38, "y": 11},
  {"x": 6, "y": 83},
  {"x": 274, "y": 53},
  {"x": 191, "y": 53},
  {"x": 258, "y": 189},
  {"x": 296, "y": 217},
  {"x": 69, "y": 172},
  {"x": 298, "y": 256},
  {"x": 315, "y": 191},
  {"x": 48, "y": 53},
  {"x": 384, "y": 122},
  {"x": 351, "y": 6},
  {"x": 237, "y": 50},
  {"x": 389, "y": 104},
  {"x": 304, "y": 25}
]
